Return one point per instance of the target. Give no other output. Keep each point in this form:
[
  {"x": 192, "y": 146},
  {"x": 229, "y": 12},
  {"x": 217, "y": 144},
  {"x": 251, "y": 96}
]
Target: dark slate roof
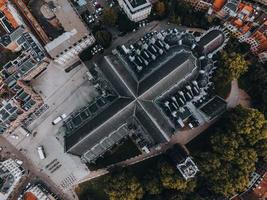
[
  {"x": 168, "y": 64},
  {"x": 214, "y": 107},
  {"x": 136, "y": 97},
  {"x": 148, "y": 124},
  {"x": 100, "y": 126},
  {"x": 176, "y": 69},
  {"x": 211, "y": 41},
  {"x": 129, "y": 79},
  {"x": 112, "y": 76},
  {"x": 155, "y": 114}
]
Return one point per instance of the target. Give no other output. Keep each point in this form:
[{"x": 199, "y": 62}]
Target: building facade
[
  {"x": 37, "y": 192},
  {"x": 245, "y": 21},
  {"x": 200, "y": 5},
  {"x": 10, "y": 175},
  {"x": 136, "y": 10},
  {"x": 76, "y": 37}
]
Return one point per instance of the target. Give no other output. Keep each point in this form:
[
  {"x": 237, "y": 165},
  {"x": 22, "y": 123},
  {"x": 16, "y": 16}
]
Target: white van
[
  {"x": 58, "y": 119},
  {"x": 41, "y": 152}
]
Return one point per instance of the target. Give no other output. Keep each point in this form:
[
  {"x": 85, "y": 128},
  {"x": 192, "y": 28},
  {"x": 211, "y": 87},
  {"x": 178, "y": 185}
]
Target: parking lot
[{"x": 62, "y": 93}]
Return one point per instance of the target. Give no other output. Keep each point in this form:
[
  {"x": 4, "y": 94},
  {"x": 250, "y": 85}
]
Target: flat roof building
[
  {"x": 19, "y": 98},
  {"x": 76, "y": 37},
  {"x": 136, "y": 10},
  {"x": 37, "y": 192},
  {"x": 10, "y": 175},
  {"x": 183, "y": 162}
]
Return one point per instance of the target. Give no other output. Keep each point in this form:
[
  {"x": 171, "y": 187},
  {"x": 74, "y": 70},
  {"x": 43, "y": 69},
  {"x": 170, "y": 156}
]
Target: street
[{"x": 9, "y": 151}]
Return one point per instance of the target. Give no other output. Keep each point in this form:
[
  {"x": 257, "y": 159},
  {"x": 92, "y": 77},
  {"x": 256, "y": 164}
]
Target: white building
[
  {"x": 76, "y": 37},
  {"x": 38, "y": 193},
  {"x": 136, "y": 10},
  {"x": 10, "y": 173}
]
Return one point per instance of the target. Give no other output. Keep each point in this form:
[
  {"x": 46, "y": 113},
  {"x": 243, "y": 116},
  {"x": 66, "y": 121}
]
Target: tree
[
  {"x": 235, "y": 65},
  {"x": 261, "y": 148},
  {"x": 227, "y": 165},
  {"x": 124, "y": 186},
  {"x": 104, "y": 38},
  {"x": 125, "y": 25},
  {"x": 6, "y": 56},
  {"x": 6, "y": 93},
  {"x": 171, "y": 179},
  {"x": 160, "y": 8},
  {"x": 250, "y": 123},
  {"x": 255, "y": 77},
  {"x": 110, "y": 16},
  {"x": 230, "y": 66},
  {"x": 152, "y": 184}
]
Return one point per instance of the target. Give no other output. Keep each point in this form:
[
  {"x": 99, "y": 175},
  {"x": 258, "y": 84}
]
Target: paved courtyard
[{"x": 63, "y": 93}]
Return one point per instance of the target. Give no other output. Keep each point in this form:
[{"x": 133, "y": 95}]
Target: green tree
[
  {"x": 230, "y": 66},
  {"x": 160, "y": 8},
  {"x": 261, "y": 148},
  {"x": 235, "y": 65},
  {"x": 235, "y": 144},
  {"x": 6, "y": 56},
  {"x": 124, "y": 186},
  {"x": 250, "y": 123},
  {"x": 255, "y": 83},
  {"x": 152, "y": 184},
  {"x": 110, "y": 16},
  {"x": 104, "y": 38},
  {"x": 172, "y": 179}
]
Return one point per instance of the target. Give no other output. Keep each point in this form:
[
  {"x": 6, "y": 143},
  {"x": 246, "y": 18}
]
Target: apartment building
[
  {"x": 136, "y": 10},
  {"x": 37, "y": 192},
  {"x": 245, "y": 21},
  {"x": 200, "y": 5},
  {"x": 76, "y": 37},
  {"x": 18, "y": 99},
  {"x": 10, "y": 175}
]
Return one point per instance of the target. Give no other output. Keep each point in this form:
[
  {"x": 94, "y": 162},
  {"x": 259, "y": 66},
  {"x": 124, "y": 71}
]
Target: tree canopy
[
  {"x": 104, "y": 38},
  {"x": 6, "y": 56},
  {"x": 226, "y": 167},
  {"x": 179, "y": 12},
  {"x": 235, "y": 65},
  {"x": 160, "y": 8},
  {"x": 110, "y": 16},
  {"x": 171, "y": 179},
  {"x": 232, "y": 148},
  {"x": 255, "y": 83},
  {"x": 124, "y": 186},
  {"x": 230, "y": 66}
]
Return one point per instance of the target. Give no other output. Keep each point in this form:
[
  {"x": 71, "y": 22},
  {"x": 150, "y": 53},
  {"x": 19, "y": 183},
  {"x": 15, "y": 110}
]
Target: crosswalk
[{"x": 68, "y": 181}]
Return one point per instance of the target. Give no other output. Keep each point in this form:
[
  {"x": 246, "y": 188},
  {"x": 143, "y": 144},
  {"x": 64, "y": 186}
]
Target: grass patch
[{"x": 127, "y": 149}]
